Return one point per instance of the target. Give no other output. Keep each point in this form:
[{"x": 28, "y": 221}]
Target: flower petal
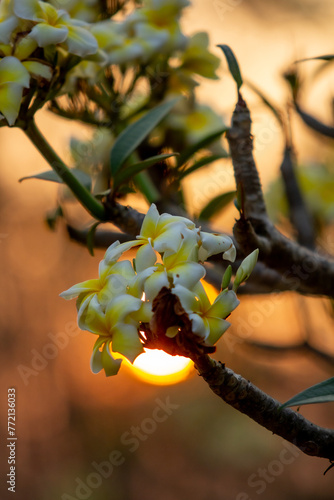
[
  {"x": 10, "y": 101},
  {"x": 136, "y": 285},
  {"x": 223, "y": 305},
  {"x": 187, "y": 299},
  {"x": 125, "y": 340},
  {"x": 155, "y": 283},
  {"x": 85, "y": 286},
  {"x": 28, "y": 9},
  {"x": 96, "y": 358},
  {"x": 212, "y": 244},
  {"x": 115, "y": 285},
  {"x": 13, "y": 71},
  {"x": 37, "y": 69},
  {"x": 80, "y": 41},
  {"x": 150, "y": 222},
  {"x": 120, "y": 307},
  {"x": 45, "y": 35},
  {"x": 199, "y": 326},
  {"x": 187, "y": 274},
  {"x": 109, "y": 363},
  {"x": 217, "y": 328},
  {"x": 7, "y": 26},
  {"x": 25, "y": 47},
  {"x": 146, "y": 257},
  {"x": 92, "y": 318},
  {"x": 115, "y": 250},
  {"x": 144, "y": 314},
  {"x": 230, "y": 254},
  {"x": 170, "y": 238}
]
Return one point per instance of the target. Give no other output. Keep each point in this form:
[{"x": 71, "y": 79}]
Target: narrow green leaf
[
  {"x": 146, "y": 186},
  {"x": 319, "y": 393},
  {"x": 124, "y": 175},
  {"x": 200, "y": 163},
  {"x": 320, "y": 58},
  {"x": 90, "y": 239},
  {"x": 265, "y": 101},
  {"x": 216, "y": 205},
  {"x": 51, "y": 175},
  {"x": 53, "y": 216},
  {"x": 232, "y": 65},
  {"x": 134, "y": 134},
  {"x": 203, "y": 143}
]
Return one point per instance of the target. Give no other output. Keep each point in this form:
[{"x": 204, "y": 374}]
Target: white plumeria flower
[
  {"x": 163, "y": 233},
  {"x": 118, "y": 305},
  {"x": 160, "y": 233},
  {"x": 208, "y": 320},
  {"x": 196, "y": 58},
  {"x": 56, "y": 27},
  {"x": 213, "y": 243},
  {"x": 176, "y": 268},
  {"x": 197, "y": 123},
  {"x": 116, "y": 327}
]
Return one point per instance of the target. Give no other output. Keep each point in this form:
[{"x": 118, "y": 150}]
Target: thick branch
[
  {"x": 305, "y": 271},
  {"x": 245, "y": 172},
  {"x": 102, "y": 239},
  {"x": 263, "y": 409},
  {"x": 126, "y": 218}
]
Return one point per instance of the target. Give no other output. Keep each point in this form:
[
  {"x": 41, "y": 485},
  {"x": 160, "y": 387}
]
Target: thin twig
[{"x": 300, "y": 216}]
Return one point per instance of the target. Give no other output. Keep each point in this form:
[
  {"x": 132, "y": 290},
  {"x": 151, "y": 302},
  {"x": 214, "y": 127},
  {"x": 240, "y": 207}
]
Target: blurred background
[{"x": 82, "y": 435}]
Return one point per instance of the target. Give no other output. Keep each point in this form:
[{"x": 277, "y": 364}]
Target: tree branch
[
  {"x": 305, "y": 271},
  {"x": 263, "y": 409}
]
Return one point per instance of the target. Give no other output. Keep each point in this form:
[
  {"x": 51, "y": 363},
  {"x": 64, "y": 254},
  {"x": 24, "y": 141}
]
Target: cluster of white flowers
[
  {"x": 37, "y": 37},
  {"x": 170, "y": 253},
  {"x": 30, "y": 31}
]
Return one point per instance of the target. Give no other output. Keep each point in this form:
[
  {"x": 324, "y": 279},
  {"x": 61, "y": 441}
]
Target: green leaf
[
  {"x": 265, "y": 101},
  {"x": 216, "y": 205},
  {"x": 203, "y": 143},
  {"x": 200, "y": 163},
  {"x": 319, "y": 393},
  {"x": 232, "y": 65},
  {"x": 124, "y": 175},
  {"x": 52, "y": 217},
  {"x": 90, "y": 239},
  {"x": 134, "y": 134},
  {"x": 51, "y": 175},
  {"x": 320, "y": 58}
]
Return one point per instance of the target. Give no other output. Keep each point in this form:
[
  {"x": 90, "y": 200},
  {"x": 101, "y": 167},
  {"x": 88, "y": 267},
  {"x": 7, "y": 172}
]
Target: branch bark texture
[
  {"x": 263, "y": 409},
  {"x": 304, "y": 270}
]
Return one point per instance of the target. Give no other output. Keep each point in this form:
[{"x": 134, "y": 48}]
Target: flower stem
[{"x": 81, "y": 193}]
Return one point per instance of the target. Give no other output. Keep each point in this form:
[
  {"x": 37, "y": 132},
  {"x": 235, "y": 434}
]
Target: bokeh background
[{"x": 69, "y": 419}]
